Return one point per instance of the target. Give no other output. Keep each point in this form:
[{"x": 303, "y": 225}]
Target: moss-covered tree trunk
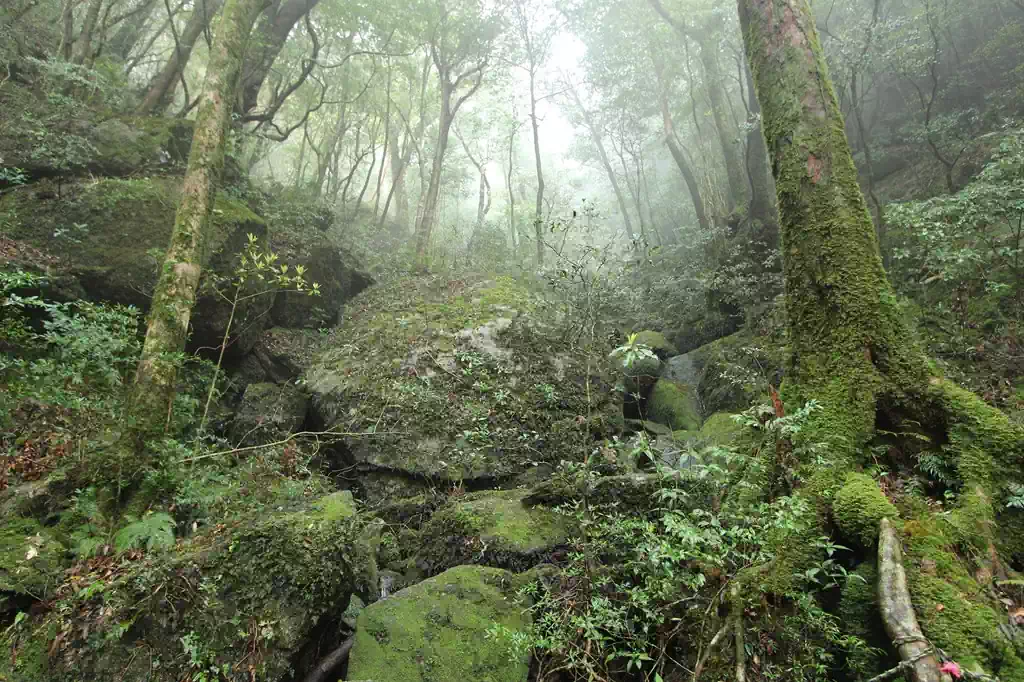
[
  {"x": 175, "y": 294},
  {"x": 850, "y": 349},
  {"x": 727, "y": 135}
]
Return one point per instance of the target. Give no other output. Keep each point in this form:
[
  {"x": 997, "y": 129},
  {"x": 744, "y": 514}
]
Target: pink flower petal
[{"x": 952, "y": 668}]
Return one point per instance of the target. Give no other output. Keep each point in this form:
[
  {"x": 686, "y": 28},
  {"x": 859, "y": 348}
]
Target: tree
[
  {"x": 462, "y": 34},
  {"x": 849, "y": 347},
  {"x": 175, "y": 294},
  {"x": 272, "y": 30},
  {"x": 162, "y": 86}
]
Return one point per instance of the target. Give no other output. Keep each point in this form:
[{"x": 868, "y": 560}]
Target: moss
[
  {"x": 721, "y": 429},
  {"x": 955, "y": 612},
  {"x": 492, "y": 528},
  {"x": 860, "y": 616},
  {"x": 657, "y": 342},
  {"x": 674, "y": 405},
  {"x": 859, "y": 507},
  {"x": 268, "y": 578},
  {"x": 466, "y": 379},
  {"x": 436, "y": 631},
  {"x": 32, "y": 559}
]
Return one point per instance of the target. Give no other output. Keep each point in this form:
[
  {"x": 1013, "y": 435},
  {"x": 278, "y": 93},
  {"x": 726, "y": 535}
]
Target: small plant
[
  {"x": 1015, "y": 496},
  {"x": 632, "y": 352},
  {"x": 257, "y": 263}
]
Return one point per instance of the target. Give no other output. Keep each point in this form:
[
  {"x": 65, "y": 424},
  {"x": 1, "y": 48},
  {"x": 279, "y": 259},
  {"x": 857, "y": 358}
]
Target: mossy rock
[
  {"x": 32, "y": 559},
  {"x": 657, "y": 342},
  {"x": 859, "y": 507},
  {"x": 634, "y": 492},
  {"x": 491, "y": 529},
  {"x": 457, "y": 381},
  {"x": 722, "y": 430},
  {"x": 110, "y": 236},
  {"x": 268, "y": 413},
  {"x": 267, "y": 578},
  {"x": 436, "y": 631},
  {"x": 673, "y": 405},
  {"x": 281, "y": 355}
]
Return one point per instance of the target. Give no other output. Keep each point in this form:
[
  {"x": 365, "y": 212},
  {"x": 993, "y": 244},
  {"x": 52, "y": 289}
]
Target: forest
[{"x": 511, "y": 340}]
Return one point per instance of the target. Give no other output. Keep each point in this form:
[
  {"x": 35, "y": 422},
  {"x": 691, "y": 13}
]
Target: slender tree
[{"x": 175, "y": 294}]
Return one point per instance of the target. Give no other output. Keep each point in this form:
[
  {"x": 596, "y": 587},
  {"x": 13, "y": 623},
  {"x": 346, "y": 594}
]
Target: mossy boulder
[
  {"x": 110, "y": 237},
  {"x": 268, "y": 413},
  {"x": 859, "y": 507},
  {"x": 32, "y": 560},
  {"x": 242, "y": 598},
  {"x": 673, "y": 405},
  {"x": 280, "y": 355},
  {"x": 722, "y": 430},
  {"x": 657, "y": 342},
  {"x": 456, "y": 381},
  {"x": 437, "y": 631},
  {"x": 491, "y": 529}
]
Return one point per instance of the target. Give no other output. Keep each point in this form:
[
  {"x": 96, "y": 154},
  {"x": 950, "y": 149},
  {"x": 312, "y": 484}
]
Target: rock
[
  {"x": 721, "y": 429},
  {"x": 32, "y": 560},
  {"x": 674, "y": 405},
  {"x": 636, "y": 492},
  {"x": 490, "y": 529},
  {"x": 657, "y": 342},
  {"x": 267, "y": 578},
  {"x": 442, "y": 402},
  {"x": 301, "y": 237},
  {"x": 438, "y": 630},
  {"x": 268, "y": 413},
  {"x": 110, "y": 236},
  {"x": 280, "y": 355}
]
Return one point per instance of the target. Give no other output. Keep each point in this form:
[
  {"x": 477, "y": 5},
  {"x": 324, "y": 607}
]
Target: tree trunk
[
  {"x": 84, "y": 44},
  {"x": 538, "y": 214},
  {"x": 274, "y": 27},
  {"x": 162, "y": 86},
  {"x": 426, "y": 222},
  {"x": 762, "y": 200},
  {"x": 128, "y": 35},
  {"x": 714, "y": 79},
  {"x": 175, "y": 293},
  {"x": 849, "y": 347},
  {"x": 67, "y": 38}
]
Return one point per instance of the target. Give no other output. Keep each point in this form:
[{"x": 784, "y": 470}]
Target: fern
[{"x": 152, "y": 531}]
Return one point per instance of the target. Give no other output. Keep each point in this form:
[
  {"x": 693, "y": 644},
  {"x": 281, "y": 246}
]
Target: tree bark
[
  {"x": 128, "y": 35},
  {"x": 175, "y": 293},
  {"x": 713, "y": 80},
  {"x": 84, "y": 44},
  {"x": 762, "y": 198},
  {"x": 67, "y": 39},
  {"x": 538, "y": 214},
  {"x": 162, "y": 86},
  {"x": 898, "y": 611},
  {"x": 273, "y": 29}
]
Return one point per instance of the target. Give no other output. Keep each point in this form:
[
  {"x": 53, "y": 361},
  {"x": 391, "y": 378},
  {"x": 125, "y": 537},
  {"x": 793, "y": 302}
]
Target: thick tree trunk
[
  {"x": 429, "y": 212},
  {"x": 84, "y": 45},
  {"x": 272, "y": 31},
  {"x": 67, "y": 38},
  {"x": 162, "y": 86},
  {"x": 175, "y": 294},
  {"x": 762, "y": 200}
]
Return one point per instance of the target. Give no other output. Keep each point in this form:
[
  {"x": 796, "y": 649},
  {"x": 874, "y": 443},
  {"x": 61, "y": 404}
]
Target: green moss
[
  {"x": 657, "y": 342},
  {"x": 859, "y": 507},
  {"x": 860, "y": 616},
  {"x": 435, "y": 631},
  {"x": 674, "y": 405},
  {"x": 721, "y": 429},
  {"x": 491, "y": 528},
  {"x": 32, "y": 560},
  {"x": 955, "y": 611}
]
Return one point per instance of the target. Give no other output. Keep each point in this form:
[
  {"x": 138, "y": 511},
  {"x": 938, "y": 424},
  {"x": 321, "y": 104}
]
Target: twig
[
  {"x": 331, "y": 661},
  {"x": 289, "y": 439}
]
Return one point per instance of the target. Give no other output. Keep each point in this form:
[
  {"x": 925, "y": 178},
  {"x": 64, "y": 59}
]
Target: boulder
[
  {"x": 32, "y": 561},
  {"x": 454, "y": 383},
  {"x": 268, "y": 413},
  {"x": 241, "y": 599},
  {"x": 490, "y": 529},
  {"x": 439, "y": 630},
  {"x": 109, "y": 236},
  {"x": 674, "y": 405},
  {"x": 657, "y": 342},
  {"x": 280, "y": 355},
  {"x": 302, "y": 235}
]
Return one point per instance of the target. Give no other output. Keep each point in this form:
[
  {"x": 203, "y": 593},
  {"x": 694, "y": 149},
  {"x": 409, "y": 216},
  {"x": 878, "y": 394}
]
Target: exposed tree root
[
  {"x": 331, "y": 661},
  {"x": 707, "y": 652},
  {"x": 918, "y": 656}
]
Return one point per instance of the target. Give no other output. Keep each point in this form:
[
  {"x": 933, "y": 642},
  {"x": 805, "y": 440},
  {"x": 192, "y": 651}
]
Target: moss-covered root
[{"x": 898, "y": 612}]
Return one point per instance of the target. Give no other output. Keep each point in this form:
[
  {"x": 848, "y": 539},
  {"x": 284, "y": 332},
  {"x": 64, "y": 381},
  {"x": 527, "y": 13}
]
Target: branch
[{"x": 679, "y": 26}]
